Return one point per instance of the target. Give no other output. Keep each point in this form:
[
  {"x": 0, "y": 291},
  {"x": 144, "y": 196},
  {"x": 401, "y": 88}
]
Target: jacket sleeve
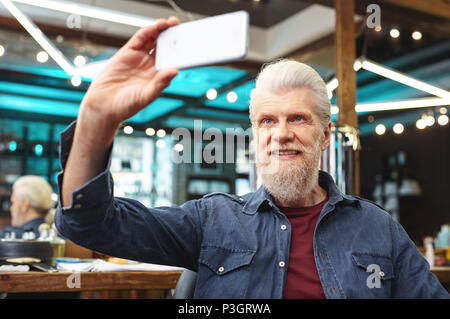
[
  {"x": 413, "y": 278},
  {"x": 125, "y": 228}
]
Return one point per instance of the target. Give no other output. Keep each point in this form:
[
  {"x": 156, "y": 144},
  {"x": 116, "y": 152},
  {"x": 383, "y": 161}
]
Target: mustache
[{"x": 290, "y": 147}]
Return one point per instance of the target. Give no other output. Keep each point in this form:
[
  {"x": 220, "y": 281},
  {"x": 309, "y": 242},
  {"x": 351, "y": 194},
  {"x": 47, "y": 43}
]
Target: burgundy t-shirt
[{"x": 302, "y": 280}]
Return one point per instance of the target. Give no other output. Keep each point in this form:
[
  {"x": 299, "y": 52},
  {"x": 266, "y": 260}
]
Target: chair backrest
[{"x": 186, "y": 285}]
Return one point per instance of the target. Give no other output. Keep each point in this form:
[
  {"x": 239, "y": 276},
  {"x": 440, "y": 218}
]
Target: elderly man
[
  {"x": 297, "y": 236},
  {"x": 31, "y": 200}
]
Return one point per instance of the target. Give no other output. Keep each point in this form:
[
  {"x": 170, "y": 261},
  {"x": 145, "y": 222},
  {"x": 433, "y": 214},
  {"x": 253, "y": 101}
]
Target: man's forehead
[{"x": 303, "y": 98}]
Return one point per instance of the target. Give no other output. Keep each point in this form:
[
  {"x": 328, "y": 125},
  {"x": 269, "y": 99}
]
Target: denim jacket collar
[{"x": 261, "y": 195}]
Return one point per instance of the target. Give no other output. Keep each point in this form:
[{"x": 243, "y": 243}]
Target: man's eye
[
  {"x": 299, "y": 118},
  {"x": 267, "y": 121}
]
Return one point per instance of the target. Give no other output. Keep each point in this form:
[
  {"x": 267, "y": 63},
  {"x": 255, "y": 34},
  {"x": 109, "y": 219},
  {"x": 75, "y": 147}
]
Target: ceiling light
[
  {"x": 128, "y": 129},
  {"x": 160, "y": 143},
  {"x": 330, "y": 94},
  {"x": 38, "y": 36},
  {"x": 416, "y": 35},
  {"x": 161, "y": 133},
  {"x": 178, "y": 147},
  {"x": 443, "y": 110},
  {"x": 150, "y": 131},
  {"x": 380, "y": 129},
  {"x": 404, "y": 79},
  {"x": 232, "y": 97},
  {"x": 76, "y": 80},
  {"x": 211, "y": 94},
  {"x": 420, "y": 124},
  {"x": 79, "y": 60},
  {"x": 400, "y": 105},
  {"x": 378, "y": 28},
  {"x": 429, "y": 120},
  {"x": 394, "y": 33},
  {"x": 42, "y": 57},
  {"x": 442, "y": 119},
  {"x": 2, "y": 50},
  {"x": 398, "y": 128},
  {"x": 90, "y": 11},
  {"x": 333, "y": 84},
  {"x": 90, "y": 70}
]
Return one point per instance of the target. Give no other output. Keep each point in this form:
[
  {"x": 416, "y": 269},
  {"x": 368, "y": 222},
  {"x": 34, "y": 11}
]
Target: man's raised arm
[{"x": 127, "y": 84}]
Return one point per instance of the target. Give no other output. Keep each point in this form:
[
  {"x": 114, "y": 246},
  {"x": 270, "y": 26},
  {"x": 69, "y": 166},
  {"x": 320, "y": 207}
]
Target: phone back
[{"x": 211, "y": 40}]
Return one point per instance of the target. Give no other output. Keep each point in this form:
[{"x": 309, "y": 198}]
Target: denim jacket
[{"x": 239, "y": 245}]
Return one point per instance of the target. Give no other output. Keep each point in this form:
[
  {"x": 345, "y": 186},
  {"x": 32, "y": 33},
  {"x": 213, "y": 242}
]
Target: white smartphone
[{"x": 211, "y": 40}]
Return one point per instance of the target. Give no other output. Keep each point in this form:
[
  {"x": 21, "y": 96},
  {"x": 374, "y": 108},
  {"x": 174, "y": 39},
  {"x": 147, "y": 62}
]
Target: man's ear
[
  {"x": 326, "y": 135},
  {"x": 24, "y": 205}
]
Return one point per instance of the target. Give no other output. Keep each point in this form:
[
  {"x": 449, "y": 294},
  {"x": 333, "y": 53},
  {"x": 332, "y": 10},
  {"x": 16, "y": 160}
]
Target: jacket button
[
  {"x": 283, "y": 227},
  {"x": 270, "y": 204},
  {"x": 79, "y": 196},
  {"x": 381, "y": 274},
  {"x": 282, "y": 264},
  {"x": 221, "y": 269}
]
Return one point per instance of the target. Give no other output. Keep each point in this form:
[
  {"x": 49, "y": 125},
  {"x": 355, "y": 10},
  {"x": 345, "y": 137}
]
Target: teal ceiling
[{"x": 47, "y": 92}]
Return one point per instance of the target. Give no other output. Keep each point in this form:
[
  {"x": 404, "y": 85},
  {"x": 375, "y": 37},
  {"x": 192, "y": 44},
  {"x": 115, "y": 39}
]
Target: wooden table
[
  {"x": 442, "y": 273},
  {"x": 110, "y": 282},
  {"x": 34, "y": 281}
]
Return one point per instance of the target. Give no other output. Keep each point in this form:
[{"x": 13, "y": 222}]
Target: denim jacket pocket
[
  {"x": 223, "y": 272},
  {"x": 374, "y": 274},
  {"x": 379, "y": 265},
  {"x": 223, "y": 260}
]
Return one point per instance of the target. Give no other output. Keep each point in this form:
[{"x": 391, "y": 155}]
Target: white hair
[
  {"x": 284, "y": 75},
  {"x": 36, "y": 190}
]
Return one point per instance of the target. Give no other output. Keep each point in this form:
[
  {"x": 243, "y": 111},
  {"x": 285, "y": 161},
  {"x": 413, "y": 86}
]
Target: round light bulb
[
  {"x": 42, "y": 57},
  {"x": 79, "y": 60},
  {"x": 421, "y": 124},
  {"x": 178, "y": 147},
  {"x": 394, "y": 33},
  {"x": 160, "y": 143},
  {"x": 442, "y": 119},
  {"x": 211, "y": 94},
  {"x": 380, "y": 129},
  {"x": 150, "y": 131},
  {"x": 161, "y": 133},
  {"x": 232, "y": 97},
  {"x": 76, "y": 80},
  {"x": 398, "y": 128},
  {"x": 2, "y": 50},
  {"x": 128, "y": 129},
  {"x": 416, "y": 35},
  {"x": 429, "y": 121}
]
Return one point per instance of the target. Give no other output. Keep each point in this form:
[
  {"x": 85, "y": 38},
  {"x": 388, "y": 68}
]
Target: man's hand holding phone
[
  {"x": 129, "y": 81},
  {"x": 127, "y": 84}
]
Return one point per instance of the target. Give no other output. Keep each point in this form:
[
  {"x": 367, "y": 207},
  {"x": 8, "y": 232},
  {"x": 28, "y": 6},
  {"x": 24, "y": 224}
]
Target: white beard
[{"x": 291, "y": 182}]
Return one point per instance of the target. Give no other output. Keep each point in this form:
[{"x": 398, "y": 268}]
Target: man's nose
[{"x": 283, "y": 133}]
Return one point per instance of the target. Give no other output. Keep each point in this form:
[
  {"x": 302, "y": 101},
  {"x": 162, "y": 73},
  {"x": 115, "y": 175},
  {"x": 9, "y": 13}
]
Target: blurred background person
[{"x": 31, "y": 202}]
